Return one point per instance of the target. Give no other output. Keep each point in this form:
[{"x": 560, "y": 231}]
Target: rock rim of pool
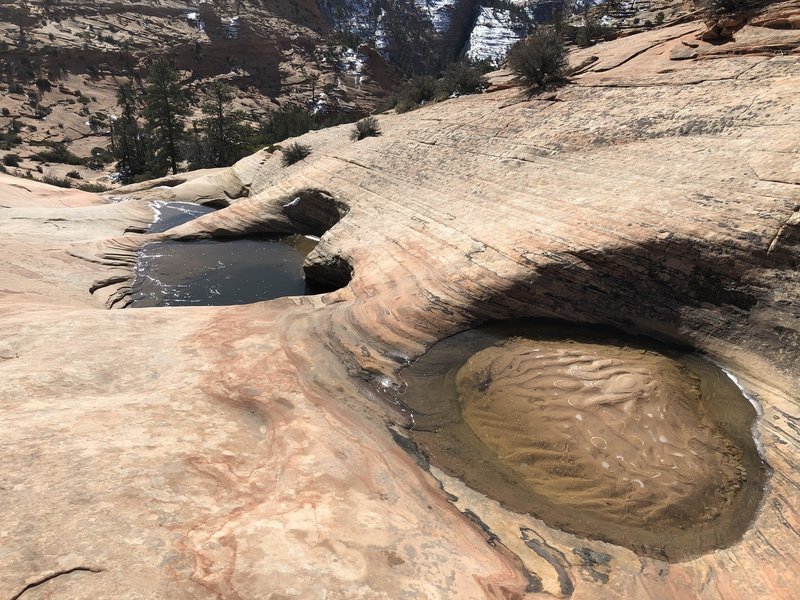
[{"x": 602, "y": 435}]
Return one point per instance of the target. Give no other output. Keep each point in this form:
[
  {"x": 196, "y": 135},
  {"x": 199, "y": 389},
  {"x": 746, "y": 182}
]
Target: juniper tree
[
  {"x": 222, "y": 136},
  {"x": 166, "y": 107},
  {"x": 540, "y": 60}
]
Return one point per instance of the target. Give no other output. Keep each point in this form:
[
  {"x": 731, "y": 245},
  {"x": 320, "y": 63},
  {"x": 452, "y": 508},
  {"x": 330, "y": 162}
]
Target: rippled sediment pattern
[{"x": 617, "y": 441}]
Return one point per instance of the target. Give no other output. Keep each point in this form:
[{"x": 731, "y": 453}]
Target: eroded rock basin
[
  {"x": 172, "y": 214},
  {"x": 219, "y": 273},
  {"x": 601, "y": 435}
]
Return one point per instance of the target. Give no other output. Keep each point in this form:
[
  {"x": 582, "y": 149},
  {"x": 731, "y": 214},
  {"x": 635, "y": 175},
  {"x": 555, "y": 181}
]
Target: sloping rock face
[{"x": 243, "y": 452}]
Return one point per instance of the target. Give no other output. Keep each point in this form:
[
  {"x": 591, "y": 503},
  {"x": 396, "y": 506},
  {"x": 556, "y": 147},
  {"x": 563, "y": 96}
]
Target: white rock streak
[{"x": 494, "y": 33}]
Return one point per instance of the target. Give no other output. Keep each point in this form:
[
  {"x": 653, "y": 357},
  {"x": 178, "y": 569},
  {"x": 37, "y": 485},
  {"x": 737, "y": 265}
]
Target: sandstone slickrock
[{"x": 243, "y": 452}]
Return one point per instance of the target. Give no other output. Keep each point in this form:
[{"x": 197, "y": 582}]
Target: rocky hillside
[{"x": 62, "y": 60}]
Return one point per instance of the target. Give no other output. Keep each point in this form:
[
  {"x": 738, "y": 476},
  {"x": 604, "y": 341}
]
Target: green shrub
[
  {"x": 95, "y": 188},
  {"x": 58, "y": 153},
  {"x": 415, "y": 92},
  {"x": 10, "y": 137},
  {"x": 57, "y": 181},
  {"x": 387, "y": 104},
  {"x": 461, "y": 78},
  {"x": 41, "y": 111},
  {"x": 540, "y": 60},
  {"x": 659, "y": 18},
  {"x": 11, "y": 160},
  {"x": 99, "y": 158},
  {"x": 592, "y": 29},
  {"x": 293, "y": 121},
  {"x": 295, "y": 152},
  {"x": 74, "y": 175},
  {"x": 286, "y": 122},
  {"x": 6, "y": 112},
  {"x": 98, "y": 121},
  {"x": 343, "y": 37},
  {"x": 367, "y": 127}
]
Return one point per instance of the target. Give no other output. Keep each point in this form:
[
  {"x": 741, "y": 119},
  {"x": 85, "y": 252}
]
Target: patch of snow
[
  {"x": 320, "y": 103},
  {"x": 157, "y": 206},
  {"x": 352, "y": 62},
  {"x": 381, "y": 41},
  {"x": 494, "y": 33},
  {"x": 194, "y": 18},
  {"x": 438, "y": 11},
  {"x": 294, "y": 202},
  {"x": 232, "y": 28},
  {"x": 354, "y": 16}
]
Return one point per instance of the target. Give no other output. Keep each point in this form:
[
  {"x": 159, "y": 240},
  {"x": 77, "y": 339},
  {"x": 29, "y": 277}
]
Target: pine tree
[
  {"x": 128, "y": 142},
  {"x": 166, "y": 107},
  {"x": 221, "y": 140}
]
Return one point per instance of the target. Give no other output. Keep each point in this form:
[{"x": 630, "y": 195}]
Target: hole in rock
[{"x": 600, "y": 434}]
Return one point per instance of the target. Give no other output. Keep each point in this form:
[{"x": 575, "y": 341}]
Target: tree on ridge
[
  {"x": 129, "y": 144},
  {"x": 221, "y": 140},
  {"x": 166, "y": 107}
]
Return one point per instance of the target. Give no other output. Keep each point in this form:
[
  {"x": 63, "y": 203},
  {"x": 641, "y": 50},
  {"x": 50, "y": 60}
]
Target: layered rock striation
[{"x": 242, "y": 452}]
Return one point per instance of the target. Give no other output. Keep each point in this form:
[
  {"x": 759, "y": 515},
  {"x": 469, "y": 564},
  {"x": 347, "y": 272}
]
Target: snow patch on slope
[
  {"x": 232, "y": 28},
  {"x": 381, "y": 40},
  {"x": 494, "y": 33},
  {"x": 438, "y": 11},
  {"x": 352, "y": 62},
  {"x": 193, "y": 18}
]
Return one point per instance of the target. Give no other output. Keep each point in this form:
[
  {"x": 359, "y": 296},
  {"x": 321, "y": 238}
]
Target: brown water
[{"x": 606, "y": 437}]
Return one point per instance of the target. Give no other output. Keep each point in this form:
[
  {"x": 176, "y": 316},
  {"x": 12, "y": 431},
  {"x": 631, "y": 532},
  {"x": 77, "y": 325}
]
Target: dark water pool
[
  {"x": 218, "y": 273},
  {"x": 172, "y": 214}
]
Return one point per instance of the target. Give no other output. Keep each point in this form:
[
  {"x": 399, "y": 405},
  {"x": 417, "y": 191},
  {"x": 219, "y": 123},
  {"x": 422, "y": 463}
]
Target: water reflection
[{"x": 218, "y": 273}]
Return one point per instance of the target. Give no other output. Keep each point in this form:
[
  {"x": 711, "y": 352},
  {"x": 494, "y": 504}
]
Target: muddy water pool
[{"x": 605, "y": 436}]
